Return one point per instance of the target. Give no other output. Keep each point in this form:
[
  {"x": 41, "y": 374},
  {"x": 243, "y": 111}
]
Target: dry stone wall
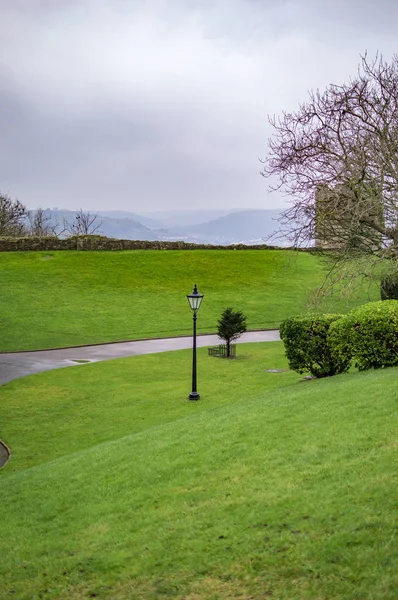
[{"x": 97, "y": 242}]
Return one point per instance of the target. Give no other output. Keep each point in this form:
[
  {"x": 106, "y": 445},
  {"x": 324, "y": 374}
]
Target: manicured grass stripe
[{"x": 53, "y": 299}]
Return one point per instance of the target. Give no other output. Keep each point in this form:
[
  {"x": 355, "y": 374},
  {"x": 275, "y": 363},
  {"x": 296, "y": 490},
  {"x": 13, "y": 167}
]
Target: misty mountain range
[{"x": 221, "y": 227}]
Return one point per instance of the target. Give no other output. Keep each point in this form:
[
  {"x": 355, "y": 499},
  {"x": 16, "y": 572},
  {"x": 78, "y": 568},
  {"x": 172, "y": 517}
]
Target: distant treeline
[{"x": 97, "y": 242}]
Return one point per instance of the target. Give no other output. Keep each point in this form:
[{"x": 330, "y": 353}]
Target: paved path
[{"x": 19, "y": 364}]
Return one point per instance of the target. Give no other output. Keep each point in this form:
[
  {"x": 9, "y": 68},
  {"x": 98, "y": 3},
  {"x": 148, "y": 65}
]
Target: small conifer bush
[{"x": 230, "y": 327}]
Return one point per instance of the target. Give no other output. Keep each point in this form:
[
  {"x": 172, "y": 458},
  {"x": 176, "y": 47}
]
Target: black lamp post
[{"x": 194, "y": 300}]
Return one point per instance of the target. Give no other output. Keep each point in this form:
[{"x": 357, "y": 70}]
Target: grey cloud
[{"x": 131, "y": 103}]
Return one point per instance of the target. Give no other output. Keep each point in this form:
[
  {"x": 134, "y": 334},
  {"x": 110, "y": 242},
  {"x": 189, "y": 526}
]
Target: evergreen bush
[
  {"x": 307, "y": 348},
  {"x": 369, "y": 334},
  {"x": 230, "y": 327}
]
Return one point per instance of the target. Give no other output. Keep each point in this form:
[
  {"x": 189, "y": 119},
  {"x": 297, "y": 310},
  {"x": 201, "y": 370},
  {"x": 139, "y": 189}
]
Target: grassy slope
[
  {"x": 52, "y": 414},
  {"x": 268, "y": 487},
  {"x": 53, "y": 299}
]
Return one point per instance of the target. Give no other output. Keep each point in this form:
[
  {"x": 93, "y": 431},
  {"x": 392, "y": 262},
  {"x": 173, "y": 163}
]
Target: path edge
[
  {"x": 123, "y": 342},
  {"x": 8, "y": 453}
]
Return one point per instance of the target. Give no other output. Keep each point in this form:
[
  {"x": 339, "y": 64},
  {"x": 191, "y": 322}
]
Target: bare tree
[
  {"x": 40, "y": 224},
  {"x": 12, "y": 216},
  {"x": 337, "y": 159},
  {"x": 85, "y": 223}
]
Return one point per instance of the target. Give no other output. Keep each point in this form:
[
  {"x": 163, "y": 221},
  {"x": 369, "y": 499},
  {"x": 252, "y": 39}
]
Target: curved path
[
  {"x": 19, "y": 364},
  {"x": 4, "y": 454}
]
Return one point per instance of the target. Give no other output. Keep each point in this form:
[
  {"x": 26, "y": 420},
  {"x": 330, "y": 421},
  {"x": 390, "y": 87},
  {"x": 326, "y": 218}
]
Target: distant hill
[
  {"x": 125, "y": 214},
  {"x": 244, "y": 226},
  {"x": 184, "y": 218},
  {"x": 167, "y": 219},
  {"x": 121, "y": 228},
  {"x": 249, "y": 226}
]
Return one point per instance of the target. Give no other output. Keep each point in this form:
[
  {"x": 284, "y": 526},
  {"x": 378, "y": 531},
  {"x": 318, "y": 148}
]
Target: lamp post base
[{"x": 194, "y": 396}]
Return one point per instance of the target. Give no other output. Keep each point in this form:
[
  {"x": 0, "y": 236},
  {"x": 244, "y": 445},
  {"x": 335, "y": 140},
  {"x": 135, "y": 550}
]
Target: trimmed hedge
[
  {"x": 368, "y": 334},
  {"x": 98, "y": 242},
  {"x": 307, "y": 348}
]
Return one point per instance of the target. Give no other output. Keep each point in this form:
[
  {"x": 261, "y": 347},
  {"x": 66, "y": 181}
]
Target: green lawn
[
  {"x": 54, "y": 299},
  {"x": 268, "y": 487}
]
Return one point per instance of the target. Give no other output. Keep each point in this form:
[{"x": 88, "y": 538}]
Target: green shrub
[
  {"x": 306, "y": 345},
  {"x": 389, "y": 287},
  {"x": 340, "y": 340},
  {"x": 230, "y": 326},
  {"x": 369, "y": 334}
]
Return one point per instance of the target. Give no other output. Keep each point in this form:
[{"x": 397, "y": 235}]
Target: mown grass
[
  {"x": 56, "y": 413},
  {"x": 54, "y": 299},
  {"x": 268, "y": 487}
]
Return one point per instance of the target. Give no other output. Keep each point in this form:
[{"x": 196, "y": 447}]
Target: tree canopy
[
  {"x": 336, "y": 157},
  {"x": 12, "y": 216}
]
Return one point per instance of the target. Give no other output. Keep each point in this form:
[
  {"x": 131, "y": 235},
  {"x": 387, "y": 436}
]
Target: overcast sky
[{"x": 148, "y": 105}]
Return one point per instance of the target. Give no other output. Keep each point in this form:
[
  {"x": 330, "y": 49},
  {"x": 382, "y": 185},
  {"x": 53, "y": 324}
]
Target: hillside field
[
  {"x": 55, "y": 299},
  {"x": 268, "y": 487}
]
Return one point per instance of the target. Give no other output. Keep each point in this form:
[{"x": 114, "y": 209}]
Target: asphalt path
[{"x": 18, "y": 364}]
